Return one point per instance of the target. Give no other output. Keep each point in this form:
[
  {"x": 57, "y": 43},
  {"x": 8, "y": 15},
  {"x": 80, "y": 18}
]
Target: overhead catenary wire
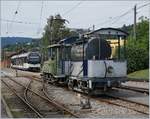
[
  {"x": 121, "y": 16},
  {"x": 107, "y": 21},
  {"x": 38, "y": 31},
  {"x": 125, "y": 19},
  {"x": 18, "y": 22},
  {"x": 114, "y": 19},
  {"x": 14, "y": 16},
  {"x": 143, "y": 5},
  {"x": 117, "y": 18},
  {"x": 71, "y": 9}
]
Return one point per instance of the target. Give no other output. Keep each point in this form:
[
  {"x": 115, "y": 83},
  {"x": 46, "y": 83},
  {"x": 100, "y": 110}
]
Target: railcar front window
[{"x": 34, "y": 60}]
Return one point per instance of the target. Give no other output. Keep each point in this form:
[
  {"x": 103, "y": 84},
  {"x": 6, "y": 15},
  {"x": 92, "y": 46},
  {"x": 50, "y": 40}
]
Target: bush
[
  {"x": 137, "y": 58},
  {"x": 138, "y": 50}
]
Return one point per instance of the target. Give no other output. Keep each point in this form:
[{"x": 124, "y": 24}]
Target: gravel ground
[
  {"x": 130, "y": 95},
  {"x": 99, "y": 109},
  {"x": 17, "y": 107},
  {"x": 137, "y": 84},
  {"x": 130, "y": 105},
  {"x": 3, "y": 111},
  {"x": 73, "y": 101},
  {"x": 12, "y": 72}
]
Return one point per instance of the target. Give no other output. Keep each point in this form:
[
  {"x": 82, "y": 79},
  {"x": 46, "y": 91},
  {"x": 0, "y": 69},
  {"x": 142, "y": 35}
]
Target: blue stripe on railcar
[{"x": 85, "y": 68}]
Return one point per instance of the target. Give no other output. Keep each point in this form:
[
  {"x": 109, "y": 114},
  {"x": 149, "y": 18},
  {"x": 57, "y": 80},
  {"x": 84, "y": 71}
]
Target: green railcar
[
  {"x": 52, "y": 69},
  {"x": 49, "y": 67}
]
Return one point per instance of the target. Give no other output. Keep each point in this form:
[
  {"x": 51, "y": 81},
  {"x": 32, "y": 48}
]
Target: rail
[
  {"x": 28, "y": 104},
  {"x": 52, "y": 102},
  {"x": 136, "y": 89}
]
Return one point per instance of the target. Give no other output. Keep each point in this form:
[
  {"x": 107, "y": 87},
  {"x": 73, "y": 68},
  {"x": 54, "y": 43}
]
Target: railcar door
[
  {"x": 63, "y": 54},
  {"x": 58, "y": 54},
  {"x": 55, "y": 60}
]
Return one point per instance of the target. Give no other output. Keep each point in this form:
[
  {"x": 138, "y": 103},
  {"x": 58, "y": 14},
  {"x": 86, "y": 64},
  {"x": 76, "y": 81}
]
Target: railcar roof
[
  {"x": 21, "y": 55},
  {"x": 69, "y": 40},
  {"x": 109, "y": 31},
  {"x": 58, "y": 45}
]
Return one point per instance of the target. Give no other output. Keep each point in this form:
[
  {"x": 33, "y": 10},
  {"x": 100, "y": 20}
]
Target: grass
[
  {"x": 17, "y": 114},
  {"x": 142, "y": 74}
]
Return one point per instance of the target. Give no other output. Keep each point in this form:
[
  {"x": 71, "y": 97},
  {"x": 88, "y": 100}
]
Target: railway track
[
  {"x": 34, "y": 77},
  {"x": 118, "y": 102},
  {"x": 57, "y": 103},
  {"x": 45, "y": 98},
  {"x": 106, "y": 100},
  {"x": 127, "y": 100},
  {"x": 110, "y": 97},
  {"x": 23, "y": 100},
  {"x": 26, "y": 98},
  {"x": 136, "y": 89}
]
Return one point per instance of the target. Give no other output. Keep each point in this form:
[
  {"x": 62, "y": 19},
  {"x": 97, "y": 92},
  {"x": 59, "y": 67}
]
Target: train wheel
[
  {"x": 70, "y": 85},
  {"x": 80, "y": 85}
]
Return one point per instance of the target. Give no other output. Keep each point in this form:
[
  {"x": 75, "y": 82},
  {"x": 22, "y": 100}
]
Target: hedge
[{"x": 137, "y": 58}]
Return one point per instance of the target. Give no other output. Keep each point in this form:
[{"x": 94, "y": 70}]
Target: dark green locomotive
[{"x": 85, "y": 63}]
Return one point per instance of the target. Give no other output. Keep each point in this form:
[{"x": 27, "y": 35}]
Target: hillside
[{"x": 5, "y": 41}]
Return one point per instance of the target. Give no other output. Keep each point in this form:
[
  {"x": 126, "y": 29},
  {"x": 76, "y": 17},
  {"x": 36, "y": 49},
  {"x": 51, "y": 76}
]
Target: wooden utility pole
[{"x": 134, "y": 26}]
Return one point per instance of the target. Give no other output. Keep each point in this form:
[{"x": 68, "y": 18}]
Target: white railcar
[{"x": 26, "y": 61}]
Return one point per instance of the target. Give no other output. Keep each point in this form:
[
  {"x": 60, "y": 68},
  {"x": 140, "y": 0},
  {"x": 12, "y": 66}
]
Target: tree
[
  {"x": 143, "y": 32},
  {"x": 43, "y": 47},
  {"x": 137, "y": 58},
  {"x": 138, "y": 51},
  {"x": 55, "y": 30}
]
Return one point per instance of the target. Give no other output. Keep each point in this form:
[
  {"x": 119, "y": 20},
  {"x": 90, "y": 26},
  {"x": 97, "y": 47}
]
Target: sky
[{"x": 31, "y": 16}]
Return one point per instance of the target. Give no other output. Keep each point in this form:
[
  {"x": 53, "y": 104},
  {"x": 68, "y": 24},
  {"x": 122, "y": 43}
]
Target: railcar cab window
[
  {"x": 34, "y": 58},
  {"x": 51, "y": 53},
  {"x": 118, "y": 46},
  {"x": 62, "y": 51},
  {"x": 116, "y": 38}
]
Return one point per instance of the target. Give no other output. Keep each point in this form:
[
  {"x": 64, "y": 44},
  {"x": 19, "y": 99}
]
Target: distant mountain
[{"x": 5, "y": 41}]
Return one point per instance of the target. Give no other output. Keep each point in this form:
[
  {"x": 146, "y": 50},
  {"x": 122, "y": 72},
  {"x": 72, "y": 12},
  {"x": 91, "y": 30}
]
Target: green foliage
[
  {"x": 143, "y": 33},
  {"x": 43, "y": 47},
  {"x": 55, "y": 30},
  {"x": 137, "y": 58},
  {"x": 20, "y": 46},
  {"x": 138, "y": 51}
]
